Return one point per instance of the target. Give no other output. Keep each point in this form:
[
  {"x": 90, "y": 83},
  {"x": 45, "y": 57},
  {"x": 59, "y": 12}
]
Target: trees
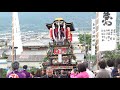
[
  {"x": 85, "y": 39},
  {"x": 4, "y": 56},
  {"x": 45, "y": 59},
  {"x": 81, "y": 38},
  {"x": 118, "y": 47},
  {"x": 111, "y": 55}
]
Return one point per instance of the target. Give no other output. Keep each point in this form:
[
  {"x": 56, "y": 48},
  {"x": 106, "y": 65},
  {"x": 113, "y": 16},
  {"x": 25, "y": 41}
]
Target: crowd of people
[{"x": 107, "y": 69}]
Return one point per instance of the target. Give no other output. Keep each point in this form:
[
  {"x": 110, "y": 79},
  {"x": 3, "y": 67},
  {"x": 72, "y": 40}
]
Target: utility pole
[
  {"x": 12, "y": 38},
  {"x": 85, "y": 44}
]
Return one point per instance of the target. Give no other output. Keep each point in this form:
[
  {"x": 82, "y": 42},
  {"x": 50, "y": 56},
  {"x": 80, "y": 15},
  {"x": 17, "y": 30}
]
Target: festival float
[{"x": 60, "y": 54}]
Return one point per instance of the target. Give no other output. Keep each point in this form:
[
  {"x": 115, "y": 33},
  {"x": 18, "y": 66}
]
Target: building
[
  {"x": 77, "y": 50},
  {"x": 34, "y": 51},
  {"x": 75, "y": 38}
]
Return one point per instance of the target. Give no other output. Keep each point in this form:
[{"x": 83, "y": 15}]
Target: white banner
[
  {"x": 107, "y": 31},
  {"x": 93, "y": 35},
  {"x": 60, "y": 57}
]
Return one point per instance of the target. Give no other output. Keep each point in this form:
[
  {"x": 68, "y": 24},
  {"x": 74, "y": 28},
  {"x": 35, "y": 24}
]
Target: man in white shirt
[{"x": 90, "y": 73}]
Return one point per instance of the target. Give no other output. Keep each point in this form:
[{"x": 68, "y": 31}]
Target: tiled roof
[
  {"x": 27, "y": 58},
  {"x": 41, "y": 42}
]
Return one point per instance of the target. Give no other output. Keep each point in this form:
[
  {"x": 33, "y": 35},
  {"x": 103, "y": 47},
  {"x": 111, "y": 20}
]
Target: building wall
[
  {"x": 3, "y": 65},
  {"x": 29, "y": 64}
]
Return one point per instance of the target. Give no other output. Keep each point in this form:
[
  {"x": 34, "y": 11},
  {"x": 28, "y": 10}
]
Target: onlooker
[
  {"x": 15, "y": 73},
  {"x": 103, "y": 73},
  {"x": 90, "y": 73},
  {"x": 115, "y": 70},
  {"x": 43, "y": 72},
  {"x": 32, "y": 74},
  {"x": 49, "y": 73},
  {"x": 118, "y": 76},
  {"x": 64, "y": 74},
  {"x": 27, "y": 74},
  {"x": 82, "y": 72},
  {"x": 57, "y": 74},
  {"x": 38, "y": 73},
  {"x": 68, "y": 73},
  {"x": 110, "y": 66},
  {"x": 61, "y": 71}
]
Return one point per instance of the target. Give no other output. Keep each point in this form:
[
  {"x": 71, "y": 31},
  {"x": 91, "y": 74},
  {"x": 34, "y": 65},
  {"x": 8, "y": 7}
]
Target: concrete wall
[{"x": 3, "y": 65}]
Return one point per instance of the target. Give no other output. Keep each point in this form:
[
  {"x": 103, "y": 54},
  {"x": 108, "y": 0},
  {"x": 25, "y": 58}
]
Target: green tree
[
  {"x": 4, "y": 56},
  {"x": 118, "y": 47},
  {"x": 111, "y": 55},
  {"x": 85, "y": 39},
  {"x": 45, "y": 59},
  {"x": 81, "y": 38},
  {"x": 88, "y": 39}
]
